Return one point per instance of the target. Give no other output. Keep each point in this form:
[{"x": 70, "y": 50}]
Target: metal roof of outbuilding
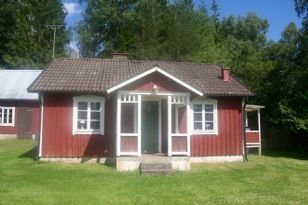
[{"x": 14, "y": 84}]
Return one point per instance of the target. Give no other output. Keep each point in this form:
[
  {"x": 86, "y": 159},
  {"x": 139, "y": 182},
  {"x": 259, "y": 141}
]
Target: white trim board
[{"x": 155, "y": 69}]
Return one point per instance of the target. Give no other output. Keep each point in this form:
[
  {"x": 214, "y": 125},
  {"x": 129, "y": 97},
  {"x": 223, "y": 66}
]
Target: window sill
[
  {"x": 252, "y": 131},
  {"x": 204, "y": 133},
  {"x": 88, "y": 132},
  {"x": 7, "y": 125}
]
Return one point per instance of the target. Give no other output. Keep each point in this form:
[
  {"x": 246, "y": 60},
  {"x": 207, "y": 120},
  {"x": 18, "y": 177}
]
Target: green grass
[{"x": 262, "y": 180}]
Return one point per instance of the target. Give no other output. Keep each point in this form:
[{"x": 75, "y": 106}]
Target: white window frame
[
  {"x": 88, "y": 99},
  {"x": 215, "y": 117},
  {"x": 12, "y": 124}
]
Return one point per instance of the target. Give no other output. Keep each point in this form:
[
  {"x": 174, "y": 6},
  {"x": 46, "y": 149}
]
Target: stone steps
[{"x": 155, "y": 168}]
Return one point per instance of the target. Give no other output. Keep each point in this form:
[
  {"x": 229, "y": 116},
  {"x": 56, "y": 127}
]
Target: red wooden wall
[
  {"x": 229, "y": 138},
  {"x": 58, "y": 140},
  {"x": 129, "y": 144},
  {"x": 34, "y": 120},
  {"x": 162, "y": 82},
  {"x": 179, "y": 144},
  {"x": 252, "y": 137}
]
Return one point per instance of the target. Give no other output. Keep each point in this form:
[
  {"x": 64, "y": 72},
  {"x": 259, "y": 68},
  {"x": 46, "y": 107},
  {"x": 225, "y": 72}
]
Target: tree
[
  {"x": 301, "y": 7},
  {"x": 241, "y": 44},
  {"x": 143, "y": 29},
  {"x": 286, "y": 83},
  {"x": 7, "y": 22},
  {"x": 182, "y": 26},
  {"x": 290, "y": 34},
  {"x": 150, "y": 29},
  {"x": 215, "y": 20},
  {"x": 253, "y": 28},
  {"x": 108, "y": 26},
  {"x": 229, "y": 26},
  {"x": 215, "y": 11},
  {"x": 27, "y": 42}
]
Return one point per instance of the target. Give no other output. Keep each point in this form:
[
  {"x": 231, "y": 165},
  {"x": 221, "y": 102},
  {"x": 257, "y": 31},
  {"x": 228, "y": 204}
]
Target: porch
[
  {"x": 253, "y": 127},
  {"x": 152, "y": 123}
]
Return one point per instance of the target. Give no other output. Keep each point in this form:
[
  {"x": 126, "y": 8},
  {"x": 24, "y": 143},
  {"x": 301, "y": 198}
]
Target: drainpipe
[{"x": 244, "y": 128}]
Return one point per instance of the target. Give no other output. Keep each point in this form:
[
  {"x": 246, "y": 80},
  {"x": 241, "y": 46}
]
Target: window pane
[
  {"x": 82, "y": 105},
  {"x": 82, "y": 124},
  {"x": 82, "y": 115},
  {"x": 208, "y": 108},
  {"x": 197, "y": 108},
  {"x": 197, "y": 125},
  {"x": 0, "y": 115},
  {"x": 10, "y": 118},
  {"x": 95, "y": 115},
  {"x": 197, "y": 116},
  {"x": 5, "y": 116},
  {"x": 95, "y": 125},
  {"x": 209, "y": 117},
  {"x": 95, "y": 106},
  {"x": 209, "y": 126}
]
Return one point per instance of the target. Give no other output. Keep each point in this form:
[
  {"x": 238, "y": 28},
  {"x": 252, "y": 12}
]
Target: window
[
  {"x": 205, "y": 117},
  {"x": 7, "y": 116},
  {"x": 88, "y": 115}
]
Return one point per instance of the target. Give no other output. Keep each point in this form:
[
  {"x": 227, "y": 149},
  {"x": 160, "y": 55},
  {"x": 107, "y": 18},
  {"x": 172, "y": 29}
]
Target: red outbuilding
[
  {"x": 128, "y": 109},
  {"x": 19, "y": 109}
]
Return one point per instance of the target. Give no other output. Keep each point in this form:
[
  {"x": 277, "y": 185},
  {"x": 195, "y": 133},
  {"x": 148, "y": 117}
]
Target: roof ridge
[{"x": 134, "y": 60}]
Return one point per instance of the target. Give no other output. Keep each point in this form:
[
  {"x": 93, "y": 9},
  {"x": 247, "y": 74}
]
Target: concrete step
[{"x": 155, "y": 168}]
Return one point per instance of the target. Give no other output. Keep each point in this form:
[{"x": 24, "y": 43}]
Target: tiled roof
[
  {"x": 98, "y": 75},
  {"x": 14, "y": 84}
]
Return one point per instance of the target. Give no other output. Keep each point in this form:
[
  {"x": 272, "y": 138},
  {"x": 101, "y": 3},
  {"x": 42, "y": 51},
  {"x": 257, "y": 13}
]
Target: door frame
[{"x": 156, "y": 99}]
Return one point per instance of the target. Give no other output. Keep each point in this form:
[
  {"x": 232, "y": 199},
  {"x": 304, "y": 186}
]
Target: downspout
[
  {"x": 244, "y": 99},
  {"x": 40, "y": 144}
]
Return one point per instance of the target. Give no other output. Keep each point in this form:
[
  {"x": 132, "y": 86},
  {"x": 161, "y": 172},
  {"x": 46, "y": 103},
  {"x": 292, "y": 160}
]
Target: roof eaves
[
  {"x": 30, "y": 87},
  {"x": 238, "y": 80}
]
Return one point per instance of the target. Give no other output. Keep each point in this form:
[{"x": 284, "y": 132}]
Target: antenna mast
[{"x": 54, "y": 27}]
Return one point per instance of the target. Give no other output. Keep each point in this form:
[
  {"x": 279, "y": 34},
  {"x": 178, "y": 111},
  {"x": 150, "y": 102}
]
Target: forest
[{"x": 175, "y": 30}]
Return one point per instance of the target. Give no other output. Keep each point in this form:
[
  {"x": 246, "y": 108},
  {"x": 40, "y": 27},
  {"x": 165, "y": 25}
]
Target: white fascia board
[{"x": 152, "y": 71}]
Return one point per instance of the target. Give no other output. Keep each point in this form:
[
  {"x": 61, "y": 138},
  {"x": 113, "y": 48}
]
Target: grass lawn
[{"x": 262, "y": 180}]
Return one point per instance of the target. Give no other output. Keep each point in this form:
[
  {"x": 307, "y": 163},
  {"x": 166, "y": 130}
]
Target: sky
[{"x": 278, "y": 13}]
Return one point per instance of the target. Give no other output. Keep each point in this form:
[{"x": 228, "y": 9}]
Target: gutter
[{"x": 245, "y": 158}]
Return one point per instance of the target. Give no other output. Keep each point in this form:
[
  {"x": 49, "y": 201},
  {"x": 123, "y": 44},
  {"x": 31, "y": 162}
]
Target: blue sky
[{"x": 278, "y": 12}]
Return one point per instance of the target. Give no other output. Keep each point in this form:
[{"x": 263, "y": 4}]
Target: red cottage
[
  {"x": 19, "y": 109},
  {"x": 129, "y": 110}
]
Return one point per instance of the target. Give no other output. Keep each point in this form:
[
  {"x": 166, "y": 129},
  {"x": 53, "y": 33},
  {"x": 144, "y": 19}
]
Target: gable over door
[{"x": 162, "y": 82}]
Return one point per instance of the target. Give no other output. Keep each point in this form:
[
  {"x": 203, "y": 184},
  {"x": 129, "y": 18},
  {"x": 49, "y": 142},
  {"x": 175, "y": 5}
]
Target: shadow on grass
[
  {"x": 290, "y": 154},
  {"x": 31, "y": 154}
]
